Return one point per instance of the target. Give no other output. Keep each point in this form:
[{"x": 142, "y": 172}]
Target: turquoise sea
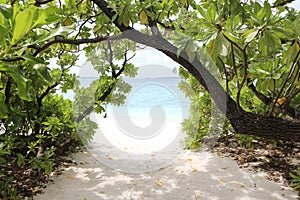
[{"x": 158, "y": 97}]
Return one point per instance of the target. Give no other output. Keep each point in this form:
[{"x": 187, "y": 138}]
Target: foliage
[
  {"x": 296, "y": 180},
  {"x": 256, "y": 48},
  {"x": 197, "y": 125},
  {"x": 36, "y": 121}
]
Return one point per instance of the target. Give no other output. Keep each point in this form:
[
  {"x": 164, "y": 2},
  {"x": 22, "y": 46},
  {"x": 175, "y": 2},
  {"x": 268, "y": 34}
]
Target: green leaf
[
  {"x": 143, "y": 17},
  {"x": 23, "y": 24},
  {"x": 130, "y": 70},
  {"x": 190, "y": 50},
  {"x": 279, "y": 31},
  {"x": 23, "y": 84},
  {"x": 99, "y": 109},
  {"x": 211, "y": 12},
  {"x": 291, "y": 54},
  {"x": 222, "y": 45},
  {"x": 231, "y": 36},
  {"x": 179, "y": 50},
  {"x": 251, "y": 34},
  {"x": 2, "y": 19},
  {"x": 6, "y": 10},
  {"x": 191, "y": 54},
  {"x": 268, "y": 43},
  {"x": 33, "y": 60},
  {"x": 58, "y": 31},
  {"x": 3, "y": 33},
  {"x": 201, "y": 11},
  {"x": 264, "y": 13},
  {"x": 294, "y": 176},
  {"x": 47, "y": 16},
  {"x": 43, "y": 71}
]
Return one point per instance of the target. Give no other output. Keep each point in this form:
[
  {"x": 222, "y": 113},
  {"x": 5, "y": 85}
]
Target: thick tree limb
[{"x": 62, "y": 40}]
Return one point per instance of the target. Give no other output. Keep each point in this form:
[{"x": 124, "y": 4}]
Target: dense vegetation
[{"x": 255, "y": 46}]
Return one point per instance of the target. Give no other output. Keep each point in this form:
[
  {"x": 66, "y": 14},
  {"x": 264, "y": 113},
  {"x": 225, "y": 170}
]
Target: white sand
[
  {"x": 163, "y": 171},
  {"x": 193, "y": 176}
]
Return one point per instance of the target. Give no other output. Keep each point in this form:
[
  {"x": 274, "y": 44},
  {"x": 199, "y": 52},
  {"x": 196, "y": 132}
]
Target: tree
[{"x": 254, "y": 45}]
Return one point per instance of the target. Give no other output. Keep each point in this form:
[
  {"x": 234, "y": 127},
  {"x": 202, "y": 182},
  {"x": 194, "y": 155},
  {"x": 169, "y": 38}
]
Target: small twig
[{"x": 85, "y": 21}]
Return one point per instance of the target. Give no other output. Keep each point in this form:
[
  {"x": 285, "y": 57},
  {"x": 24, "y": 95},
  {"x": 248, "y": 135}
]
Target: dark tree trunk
[{"x": 243, "y": 122}]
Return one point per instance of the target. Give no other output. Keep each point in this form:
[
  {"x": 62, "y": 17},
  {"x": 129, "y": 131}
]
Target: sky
[
  {"x": 143, "y": 58},
  {"x": 296, "y": 4}
]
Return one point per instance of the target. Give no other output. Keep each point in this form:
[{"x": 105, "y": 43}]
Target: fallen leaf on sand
[
  {"x": 36, "y": 189},
  {"x": 162, "y": 168},
  {"x": 239, "y": 184},
  {"x": 71, "y": 177},
  {"x": 67, "y": 164},
  {"x": 58, "y": 173},
  {"x": 110, "y": 158},
  {"x": 194, "y": 170},
  {"x": 197, "y": 196},
  {"x": 189, "y": 160},
  {"x": 221, "y": 180},
  {"x": 159, "y": 183}
]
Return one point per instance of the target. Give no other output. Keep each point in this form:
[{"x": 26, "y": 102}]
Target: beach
[
  {"x": 116, "y": 166},
  {"x": 194, "y": 175}
]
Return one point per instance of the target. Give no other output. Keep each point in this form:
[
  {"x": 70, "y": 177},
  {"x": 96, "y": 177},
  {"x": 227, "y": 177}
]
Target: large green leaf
[
  {"x": 58, "y": 31},
  {"x": 221, "y": 46},
  {"x": 291, "y": 54},
  {"x": 23, "y": 84},
  {"x": 265, "y": 12},
  {"x": 268, "y": 43},
  {"x": 251, "y": 34},
  {"x": 43, "y": 71},
  {"x": 47, "y": 16},
  {"x": 231, "y": 36},
  {"x": 23, "y": 24},
  {"x": 211, "y": 12}
]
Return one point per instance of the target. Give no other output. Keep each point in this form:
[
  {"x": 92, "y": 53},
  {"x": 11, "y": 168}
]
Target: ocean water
[{"x": 150, "y": 98}]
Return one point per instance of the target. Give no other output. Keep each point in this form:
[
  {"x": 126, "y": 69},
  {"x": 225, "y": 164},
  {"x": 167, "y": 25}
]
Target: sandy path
[{"x": 192, "y": 176}]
